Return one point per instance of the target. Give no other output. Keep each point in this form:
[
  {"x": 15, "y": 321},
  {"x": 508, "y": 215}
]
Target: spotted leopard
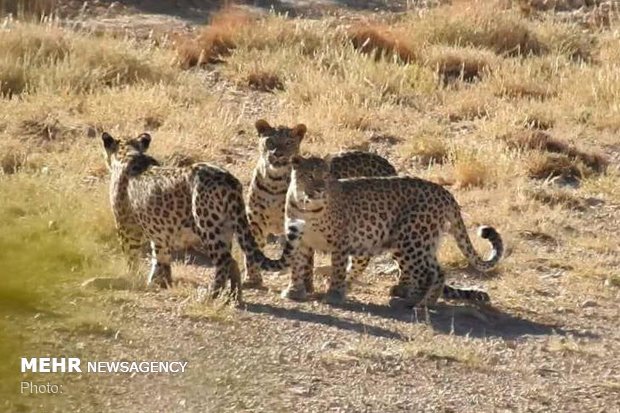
[
  {"x": 198, "y": 206},
  {"x": 367, "y": 216},
  {"x": 271, "y": 178}
]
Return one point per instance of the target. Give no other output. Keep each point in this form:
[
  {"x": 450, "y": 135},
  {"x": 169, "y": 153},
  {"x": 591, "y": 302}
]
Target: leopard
[
  {"x": 272, "y": 175},
  {"x": 366, "y": 216},
  {"x": 198, "y": 206}
]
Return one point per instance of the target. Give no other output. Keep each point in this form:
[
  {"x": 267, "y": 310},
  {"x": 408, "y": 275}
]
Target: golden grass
[
  {"x": 539, "y": 140},
  {"x": 379, "y": 41},
  {"x": 215, "y": 41},
  {"x": 456, "y": 63},
  {"x": 469, "y": 170},
  {"x": 265, "y": 81},
  {"x": 545, "y": 166},
  {"x": 37, "y": 57}
]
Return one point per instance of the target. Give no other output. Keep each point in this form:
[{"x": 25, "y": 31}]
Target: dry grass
[
  {"x": 38, "y": 57},
  {"x": 465, "y": 64},
  {"x": 380, "y": 42},
  {"x": 215, "y": 41},
  {"x": 545, "y": 166},
  {"x": 542, "y": 141},
  {"x": 469, "y": 170},
  {"x": 265, "y": 81},
  {"x": 539, "y": 83},
  {"x": 559, "y": 197}
]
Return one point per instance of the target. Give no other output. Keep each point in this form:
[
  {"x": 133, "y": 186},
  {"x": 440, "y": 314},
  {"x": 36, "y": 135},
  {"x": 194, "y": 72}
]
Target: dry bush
[
  {"x": 467, "y": 110},
  {"x": 542, "y": 141},
  {"x": 468, "y": 103},
  {"x": 566, "y": 39},
  {"x": 380, "y": 42},
  {"x": 216, "y": 40},
  {"x": 454, "y": 63},
  {"x": 428, "y": 150},
  {"x": 479, "y": 24},
  {"x": 469, "y": 172},
  {"x": 12, "y": 160},
  {"x": 538, "y": 120},
  {"x": 550, "y": 165},
  {"x": 265, "y": 81}
]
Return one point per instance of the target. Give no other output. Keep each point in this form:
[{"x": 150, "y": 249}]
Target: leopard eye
[{"x": 270, "y": 145}]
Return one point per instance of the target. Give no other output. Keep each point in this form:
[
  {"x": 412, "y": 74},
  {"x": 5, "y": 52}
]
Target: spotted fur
[
  {"x": 271, "y": 178},
  {"x": 197, "y": 206},
  {"x": 367, "y": 216}
]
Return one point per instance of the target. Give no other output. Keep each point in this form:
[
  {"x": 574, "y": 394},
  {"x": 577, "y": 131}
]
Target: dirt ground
[{"x": 541, "y": 346}]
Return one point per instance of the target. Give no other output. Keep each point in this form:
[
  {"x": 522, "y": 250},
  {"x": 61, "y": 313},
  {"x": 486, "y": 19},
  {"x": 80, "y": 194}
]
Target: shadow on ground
[{"x": 444, "y": 318}]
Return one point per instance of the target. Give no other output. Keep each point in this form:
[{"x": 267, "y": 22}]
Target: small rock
[{"x": 589, "y": 303}]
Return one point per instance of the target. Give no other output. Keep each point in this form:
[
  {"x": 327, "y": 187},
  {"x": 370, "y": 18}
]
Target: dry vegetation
[{"x": 517, "y": 107}]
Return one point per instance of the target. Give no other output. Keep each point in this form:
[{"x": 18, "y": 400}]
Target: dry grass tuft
[
  {"x": 42, "y": 129},
  {"x": 453, "y": 63},
  {"x": 538, "y": 121},
  {"x": 521, "y": 88},
  {"x": 381, "y": 42},
  {"x": 482, "y": 25},
  {"x": 12, "y": 160},
  {"x": 215, "y": 41},
  {"x": 265, "y": 81},
  {"x": 542, "y": 141},
  {"x": 428, "y": 151},
  {"x": 555, "y": 197},
  {"x": 44, "y": 57},
  {"x": 469, "y": 172},
  {"x": 546, "y": 166}
]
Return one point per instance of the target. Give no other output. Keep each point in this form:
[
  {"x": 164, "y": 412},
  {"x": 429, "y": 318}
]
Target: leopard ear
[
  {"x": 144, "y": 140},
  {"x": 109, "y": 143},
  {"x": 262, "y": 127},
  {"x": 296, "y": 160},
  {"x": 299, "y": 131}
]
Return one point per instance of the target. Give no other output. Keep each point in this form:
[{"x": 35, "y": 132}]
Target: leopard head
[{"x": 278, "y": 145}]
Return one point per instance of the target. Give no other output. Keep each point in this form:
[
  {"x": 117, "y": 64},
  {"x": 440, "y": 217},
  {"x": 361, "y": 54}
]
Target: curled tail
[
  {"x": 459, "y": 232},
  {"x": 294, "y": 231},
  {"x": 465, "y": 294}
]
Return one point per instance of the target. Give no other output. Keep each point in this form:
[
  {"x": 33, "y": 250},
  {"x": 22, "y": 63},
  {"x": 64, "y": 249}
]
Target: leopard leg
[
  {"x": 226, "y": 268},
  {"x": 132, "y": 245},
  {"x": 437, "y": 287},
  {"x": 417, "y": 274},
  {"x": 336, "y": 293},
  {"x": 161, "y": 273},
  {"x": 302, "y": 266},
  {"x": 355, "y": 269},
  {"x": 253, "y": 277}
]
